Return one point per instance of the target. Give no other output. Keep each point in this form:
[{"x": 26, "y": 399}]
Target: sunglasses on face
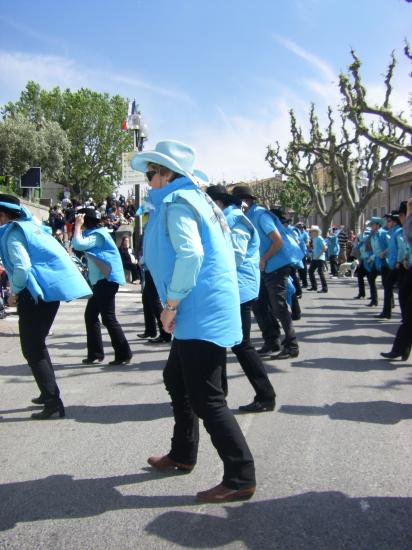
[{"x": 150, "y": 175}]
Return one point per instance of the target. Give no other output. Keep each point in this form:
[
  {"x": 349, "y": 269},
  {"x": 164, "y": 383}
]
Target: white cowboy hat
[
  {"x": 172, "y": 154},
  {"x": 315, "y": 228}
]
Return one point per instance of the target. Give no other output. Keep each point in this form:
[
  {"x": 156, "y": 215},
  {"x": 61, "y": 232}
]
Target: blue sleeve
[
  {"x": 20, "y": 259},
  {"x": 266, "y": 223},
  {"x": 86, "y": 243},
  {"x": 185, "y": 238},
  {"x": 240, "y": 241}
]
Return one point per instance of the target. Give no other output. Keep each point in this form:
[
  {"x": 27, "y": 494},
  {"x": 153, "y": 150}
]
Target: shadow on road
[
  {"x": 312, "y": 520},
  {"x": 321, "y": 521},
  {"x": 106, "y": 414},
  {"x": 61, "y": 496},
  {"x": 355, "y": 365},
  {"x": 376, "y": 412}
]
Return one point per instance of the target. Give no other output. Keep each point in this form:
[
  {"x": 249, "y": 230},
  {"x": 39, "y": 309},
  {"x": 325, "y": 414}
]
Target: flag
[{"x": 124, "y": 125}]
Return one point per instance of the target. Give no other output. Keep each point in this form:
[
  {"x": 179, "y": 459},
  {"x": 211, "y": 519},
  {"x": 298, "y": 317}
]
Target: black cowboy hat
[{"x": 243, "y": 192}]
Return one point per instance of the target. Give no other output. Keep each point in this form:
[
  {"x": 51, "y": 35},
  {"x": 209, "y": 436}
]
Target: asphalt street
[{"x": 333, "y": 460}]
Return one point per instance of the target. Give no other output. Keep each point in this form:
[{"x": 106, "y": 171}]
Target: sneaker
[
  {"x": 267, "y": 349},
  {"x": 258, "y": 406}
]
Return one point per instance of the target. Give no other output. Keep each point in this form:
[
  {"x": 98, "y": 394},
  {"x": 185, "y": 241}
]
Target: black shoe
[
  {"x": 90, "y": 361},
  {"x": 323, "y": 291},
  {"x": 146, "y": 335},
  {"x": 286, "y": 354},
  {"x": 49, "y": 411},
  {"x": 372, "y": 304},
  {"x": 120, "y": 361},
  {"x": 257, "y": 406},
  {"x": 311, "y": 289},
  {"x": 38, "y": 400},
  {"x": 393, "y": 355},
  {"x": 160, "y": 339},
  {"x": 382, "y": 316},
  {"x": 359, "y": 297},
  {"x": 267, "y": 349}
]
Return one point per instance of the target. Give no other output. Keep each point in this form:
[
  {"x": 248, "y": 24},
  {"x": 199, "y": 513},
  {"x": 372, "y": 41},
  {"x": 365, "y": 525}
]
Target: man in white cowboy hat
[
  {"x": 188, "y": 250},
  {"x": 318, "y": 262}
]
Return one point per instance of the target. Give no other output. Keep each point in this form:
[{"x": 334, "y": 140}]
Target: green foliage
[{"x": 92, "y": 123}]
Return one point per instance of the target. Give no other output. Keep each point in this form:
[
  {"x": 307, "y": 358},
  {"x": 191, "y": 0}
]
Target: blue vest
[
  {"x": 333, "y": 245},
  {"x": 395, "y": 242},
  {"x": 288, "y": 254},
  {"x": 211, "y": 310},
  {"x": 290, "y": 290},
  {"x": 379, "y": 242},
  {"x": 53, "y": 276},
  {"x": 106, "y": 257},
  {"x": 248, "y": 273}
]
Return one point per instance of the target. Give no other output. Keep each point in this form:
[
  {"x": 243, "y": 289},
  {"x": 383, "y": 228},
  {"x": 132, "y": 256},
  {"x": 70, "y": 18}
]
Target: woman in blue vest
[
  {"x": 246, "y": 243},
  {"x": 105, "y": 274},
  {"x": 318, "y": 262},
  {"x": 41, "y": 274},
  {"x": 188, "y": 250}
]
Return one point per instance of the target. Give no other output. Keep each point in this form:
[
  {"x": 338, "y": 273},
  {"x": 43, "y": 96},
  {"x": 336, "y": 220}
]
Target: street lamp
[{"x": 140, "y": 135}]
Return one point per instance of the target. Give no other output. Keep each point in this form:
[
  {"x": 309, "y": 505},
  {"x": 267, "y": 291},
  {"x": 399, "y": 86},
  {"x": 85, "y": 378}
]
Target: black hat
[
  {"x": 90, "y": 213},
  {"x": 395, "y": 217},
  {"x": 219, "y": 192},
  {"x": 403, "y": 207},
  {"x": 9, "y": 203},
  {"x": 243, "y": 192}
]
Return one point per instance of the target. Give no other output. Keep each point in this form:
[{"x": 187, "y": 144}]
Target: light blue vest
[
  {"x": 248, "y": 273},
  {"x": 289, "y": 253},
  {"x": 53, "y": 276},
  {"x": 107, "y": 257},
  {"x": 396, "y": 246},
  {"x": 379, "y": 242},
  {"x": 333, "y": 245},
  {"x": 211, "y": 310}
]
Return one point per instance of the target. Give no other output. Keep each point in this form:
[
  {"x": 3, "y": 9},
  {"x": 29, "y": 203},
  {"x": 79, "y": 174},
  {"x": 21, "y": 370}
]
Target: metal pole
[{"x": 137, "y": 199}]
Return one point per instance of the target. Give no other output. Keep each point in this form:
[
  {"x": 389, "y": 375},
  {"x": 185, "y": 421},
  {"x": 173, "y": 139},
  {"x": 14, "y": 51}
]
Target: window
[{"x": 375, "y": 212}]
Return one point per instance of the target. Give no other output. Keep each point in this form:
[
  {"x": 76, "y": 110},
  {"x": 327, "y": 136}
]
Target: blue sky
[{"x": 218, "y": 74}]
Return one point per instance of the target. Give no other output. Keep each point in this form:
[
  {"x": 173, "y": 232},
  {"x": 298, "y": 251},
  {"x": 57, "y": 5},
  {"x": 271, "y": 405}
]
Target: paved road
[{"x": 333, "y": 462}]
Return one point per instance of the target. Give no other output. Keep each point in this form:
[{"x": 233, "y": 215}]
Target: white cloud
[{"x": 17, "y": 68}]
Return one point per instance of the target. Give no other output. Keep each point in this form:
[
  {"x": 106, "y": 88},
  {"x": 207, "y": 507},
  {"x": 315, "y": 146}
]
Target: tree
[
  {"x": 303, "y": 170},
  {"x": 391, "y": 131},
  {"x": 92, "y": 122},
  {"x": 348, "y": 161},
  {"x": 23, "y": 144}
]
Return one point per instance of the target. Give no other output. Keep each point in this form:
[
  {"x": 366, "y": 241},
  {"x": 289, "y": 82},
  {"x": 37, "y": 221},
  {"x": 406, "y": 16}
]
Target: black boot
[{"x": 50, "y": 410}]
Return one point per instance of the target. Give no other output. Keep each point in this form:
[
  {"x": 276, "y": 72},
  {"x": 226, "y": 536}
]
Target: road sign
[
  {"x": 31, "y": 179},
  {"x": 130, "y": 176}
]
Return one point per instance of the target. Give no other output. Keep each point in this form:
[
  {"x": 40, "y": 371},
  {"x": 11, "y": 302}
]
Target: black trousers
[
  {"x": 250, "y": 360},
  {"x": 403, "y": 338},
  {"x": 303, "y": 272},
  {"x": 103, "y": 303},
  {"x": 333, "y": 260},
  {"x": 152, "y": 307},
  {"x": 134, "y": 269},
  {"x": 389, "y": 279},
  {"x": 361, "y": 273},
  {"x": 271, "y": 305},
  {"x": 193, "y": 378},
  {"x": 372, "y": 276},
  {"x": 319, "y": 266},
  {"x": 35, "y": 321}
]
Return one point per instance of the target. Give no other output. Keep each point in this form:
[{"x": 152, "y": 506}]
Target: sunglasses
[{"x": 150, "y": 175}]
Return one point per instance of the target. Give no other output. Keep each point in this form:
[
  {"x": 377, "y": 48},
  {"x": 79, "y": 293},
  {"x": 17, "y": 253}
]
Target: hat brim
[
  {"x": 11, "y": 206},
  {"x": 140, "y": 161}
]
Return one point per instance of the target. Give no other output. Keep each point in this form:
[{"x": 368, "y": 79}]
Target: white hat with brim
[
  {"x": 172, "y": 154},
  {"x": 315, "y": 228}
]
